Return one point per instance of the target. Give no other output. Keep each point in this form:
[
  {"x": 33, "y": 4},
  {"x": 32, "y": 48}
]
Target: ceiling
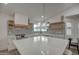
[
  {"x": 35, "y": 10},
  {"x": 73, "y": 16}
]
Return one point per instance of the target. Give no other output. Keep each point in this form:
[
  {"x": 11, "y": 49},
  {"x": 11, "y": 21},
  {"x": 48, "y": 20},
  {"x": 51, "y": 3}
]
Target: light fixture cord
[{"x": 43, "y": 12}]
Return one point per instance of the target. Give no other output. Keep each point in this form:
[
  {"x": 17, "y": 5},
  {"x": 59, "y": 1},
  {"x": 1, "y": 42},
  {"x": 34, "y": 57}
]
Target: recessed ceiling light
[
  {"x": 5, "y": 3},
  {"x": 42, "y": 16}
]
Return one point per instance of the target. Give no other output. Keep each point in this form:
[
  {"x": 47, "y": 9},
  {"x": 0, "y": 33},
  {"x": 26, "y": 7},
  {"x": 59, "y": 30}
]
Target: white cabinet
[
  {"x": 11, "y": 45},
  {"x": 21, "y": 19}
]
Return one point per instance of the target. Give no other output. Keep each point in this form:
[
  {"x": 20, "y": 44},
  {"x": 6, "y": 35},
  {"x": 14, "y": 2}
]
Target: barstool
[{"x": 74, "y": 44}]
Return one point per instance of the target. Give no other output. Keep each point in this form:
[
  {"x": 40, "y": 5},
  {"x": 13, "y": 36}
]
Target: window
[
  {"x": 68, "y": 28},
  {"x": 37, "y": 27},
  {"x": 40, "y": 27}
]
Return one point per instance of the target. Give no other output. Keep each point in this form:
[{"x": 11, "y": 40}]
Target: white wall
[
  {"x": 74, "y": 28},
  {"x": 4, "y": 32},
  {"x": 3, "y": 25},
  {"x": 20, "y": 19},
  {"x": 70, "y": 20},
  {"x": 73, "y": 20}
]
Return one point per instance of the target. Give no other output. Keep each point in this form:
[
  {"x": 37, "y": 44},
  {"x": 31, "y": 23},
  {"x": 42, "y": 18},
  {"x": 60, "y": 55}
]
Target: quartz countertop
[{"x": 41, "y": 45}]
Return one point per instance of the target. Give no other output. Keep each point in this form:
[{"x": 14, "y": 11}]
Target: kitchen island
[{"x": 41, "y": 45}]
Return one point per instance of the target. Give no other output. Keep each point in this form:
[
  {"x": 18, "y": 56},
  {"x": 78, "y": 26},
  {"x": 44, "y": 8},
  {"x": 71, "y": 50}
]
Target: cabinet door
[{"x": 21, "y": 19}]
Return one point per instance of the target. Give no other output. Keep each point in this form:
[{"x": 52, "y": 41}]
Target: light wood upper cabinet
[
  {"x": 10, "y": 24},
  {"x": 20, "y": 21},
  {"x": 58, "y": 26}
]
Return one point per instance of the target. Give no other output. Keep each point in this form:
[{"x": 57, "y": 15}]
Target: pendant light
[{"x": 43, "y": 15}]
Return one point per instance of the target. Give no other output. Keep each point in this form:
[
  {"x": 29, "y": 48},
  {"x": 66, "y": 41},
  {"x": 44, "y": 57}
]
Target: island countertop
[{"x": 41, "y": 45}]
